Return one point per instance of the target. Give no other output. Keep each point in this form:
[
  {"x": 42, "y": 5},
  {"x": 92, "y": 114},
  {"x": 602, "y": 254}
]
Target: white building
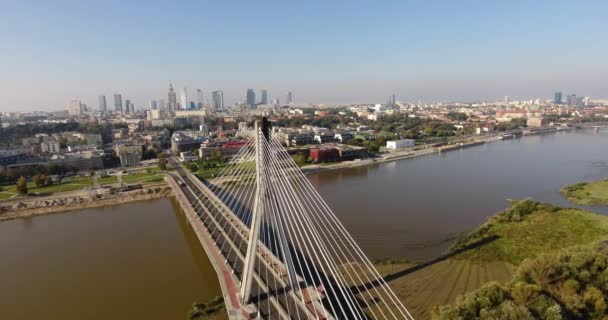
[
  {"x": 50, "y": 147},
  {"x": 398, "y": 144},
  {"x": 74, "y": 107}
]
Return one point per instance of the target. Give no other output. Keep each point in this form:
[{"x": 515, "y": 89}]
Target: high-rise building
[
  {"x": 117, "y": 103},
  {"x": 172, "y": 98},
  {"x": 199, "y": 98},
  {"x": 103, "y": 107},
  {"x": 161, "y": 104},
  {"x": 128, "y": 106},
  {"x": 557, "y": 99},
  {"x": 572, "y": 100},
  {"x": 153, "y": 105},
  {"x": 218, "y": 100},
  {"x": 184, "y": 99},
  {"x": 250, "y": 101},
  {"x": 507, "y": 99},
  {"x": 74, "y": 107},
  {"x": 289, "y": 100},
  {"x": 264, "y": 97}
]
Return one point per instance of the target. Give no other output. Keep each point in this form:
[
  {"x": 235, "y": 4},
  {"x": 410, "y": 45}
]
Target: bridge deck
[{"x": 224, "y": 238}]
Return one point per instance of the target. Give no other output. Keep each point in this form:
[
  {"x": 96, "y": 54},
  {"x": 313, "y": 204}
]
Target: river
[
  {"x": 412, "y": 208},
  {"x": 133, "y": 261},
  {"x": 142, "y": 260}
]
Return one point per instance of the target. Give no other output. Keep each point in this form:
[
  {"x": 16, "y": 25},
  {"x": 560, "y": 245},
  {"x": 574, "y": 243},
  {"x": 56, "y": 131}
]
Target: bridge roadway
[{"x": 229, "y": 236}]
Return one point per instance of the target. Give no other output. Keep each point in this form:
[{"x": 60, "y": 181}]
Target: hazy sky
[{"x": 323, "y": 51}]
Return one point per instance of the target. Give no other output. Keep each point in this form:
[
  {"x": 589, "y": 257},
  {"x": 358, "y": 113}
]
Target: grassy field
[
  {"x": 528, "y": 229},
  {"x": 492, "y": 252},
  {"x": 78, "y": 183},
  {"x": 422, "y": 288},
  {"x": 68, "y": 184},
  {"x": 587, "y": 193}
]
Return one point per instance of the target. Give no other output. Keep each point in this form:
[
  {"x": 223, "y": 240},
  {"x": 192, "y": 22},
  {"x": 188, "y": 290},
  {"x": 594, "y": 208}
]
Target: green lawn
[
  {"x": 544, "y": 228},
  {"x": 68, "y": 184},
  {"x": 78, "y": 183},
  {"x": 140, "y": 177},
  {"x": 587, "y": 193}
]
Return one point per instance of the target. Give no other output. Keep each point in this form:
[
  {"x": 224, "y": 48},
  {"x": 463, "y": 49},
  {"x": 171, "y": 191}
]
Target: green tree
[
  {"x": 192, "y": 166},
  {"x": 162, "y": 162},
  {"x": 40, "y": 180},
  {"x": 216, "y": 156},
  {"x": 22, "y": 185},
  {"x": 300, "y": 159}
]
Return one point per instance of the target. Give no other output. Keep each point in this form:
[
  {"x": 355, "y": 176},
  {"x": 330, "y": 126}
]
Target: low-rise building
[
  {"x": 535, "y": 122},
  {"x": 50, "y": 147},
  {"x": 326, "y": 154},
  {"x": 398, "y": 144},
  {"x": 344, "y": 136},
  {"x": 129, "y": 155},
  {"x": 187, "y": 156}
]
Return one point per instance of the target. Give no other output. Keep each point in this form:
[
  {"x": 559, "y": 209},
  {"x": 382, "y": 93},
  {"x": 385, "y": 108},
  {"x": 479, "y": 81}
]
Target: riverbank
[
  {"x": 587, "y": 193},
  {"x": 492, "y": 253},
  {"x": 424, "y": 150},
  {"x": 25, "y": 207},
  {"x": 400, "y": 155}
]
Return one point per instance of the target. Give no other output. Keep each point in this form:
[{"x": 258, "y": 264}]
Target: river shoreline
[
  {"x": 71, "y": 201},
  {"x": 414, "y": 153}
]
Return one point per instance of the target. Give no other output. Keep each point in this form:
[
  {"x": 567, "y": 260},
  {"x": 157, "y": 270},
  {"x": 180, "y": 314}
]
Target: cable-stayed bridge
[{"x": 279, "y": 250}]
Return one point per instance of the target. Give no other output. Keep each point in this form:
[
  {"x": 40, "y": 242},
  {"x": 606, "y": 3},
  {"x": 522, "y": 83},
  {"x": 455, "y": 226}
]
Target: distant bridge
[{"x": 278, "y": 249}]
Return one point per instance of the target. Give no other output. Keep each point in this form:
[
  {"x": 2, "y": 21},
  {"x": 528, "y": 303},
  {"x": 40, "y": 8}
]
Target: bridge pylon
[{"x": 262, "y": 200}]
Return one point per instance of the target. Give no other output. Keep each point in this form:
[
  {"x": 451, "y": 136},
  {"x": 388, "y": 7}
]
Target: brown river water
[{"x": 142, "y": 260}]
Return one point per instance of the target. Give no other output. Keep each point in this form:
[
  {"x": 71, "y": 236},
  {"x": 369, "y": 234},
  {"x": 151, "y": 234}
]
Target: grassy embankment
[
  {"x": 587, "y": 193},
  {"x": 531, "y": 236},
  {"x": 492, "y": 252},
  {"x": 78, "y": 183}
]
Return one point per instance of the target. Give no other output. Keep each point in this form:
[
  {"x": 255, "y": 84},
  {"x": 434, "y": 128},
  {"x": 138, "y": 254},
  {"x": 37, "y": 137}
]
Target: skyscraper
[
  {"x": 172, "y": 98},
  {"x": 161, "y": 104},
  {"x": 289, "y": 98},
  {"x": 128, "y": 106},
  {"x": 199, "y": 98},
  {"x": 218, "y": 100},
  {"x": 184, "y": 99},
  {"x": 557, "y": 99},
  {"x": 117, "y": 103},
  {"x": 103, "y": 108},
  {"x": 153, "y": 105},
  {"x": 74, "y": 107},
  {"x": 264, "y": 97},
  {"x": 250, "y": 98}
]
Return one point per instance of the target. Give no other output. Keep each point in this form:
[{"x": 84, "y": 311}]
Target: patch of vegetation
[
  {"x": 584, "y": 193},
  {"x": 529, "y": 229},
  {"x": 570, "y": 284},
  {"x": 210, "y": 310}
]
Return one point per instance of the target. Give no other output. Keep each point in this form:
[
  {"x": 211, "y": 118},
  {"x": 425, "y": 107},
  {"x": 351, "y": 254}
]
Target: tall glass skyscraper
[
  {"x": 557, "y": 99},
  {"x": 199, "y": 99},
  {"x": 250, "y": 98},
  {"x": 103, "y": 107},
  {"x": 117, "y": 103},
  {"x": 218, "y": 100},
  {"x": 264, "y": 97}
]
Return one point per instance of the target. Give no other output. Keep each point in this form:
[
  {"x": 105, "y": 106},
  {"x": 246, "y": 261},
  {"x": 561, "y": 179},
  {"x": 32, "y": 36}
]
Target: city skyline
[{"x": 328, "y": 53}]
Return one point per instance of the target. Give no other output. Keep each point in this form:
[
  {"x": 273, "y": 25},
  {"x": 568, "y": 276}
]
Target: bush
[
  {"x": 571, "y": 284},
  {"x": 22, "y": 185}
]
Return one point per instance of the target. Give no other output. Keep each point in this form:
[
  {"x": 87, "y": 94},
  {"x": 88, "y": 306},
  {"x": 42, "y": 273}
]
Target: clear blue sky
[{"x": 324, "y": 51}]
